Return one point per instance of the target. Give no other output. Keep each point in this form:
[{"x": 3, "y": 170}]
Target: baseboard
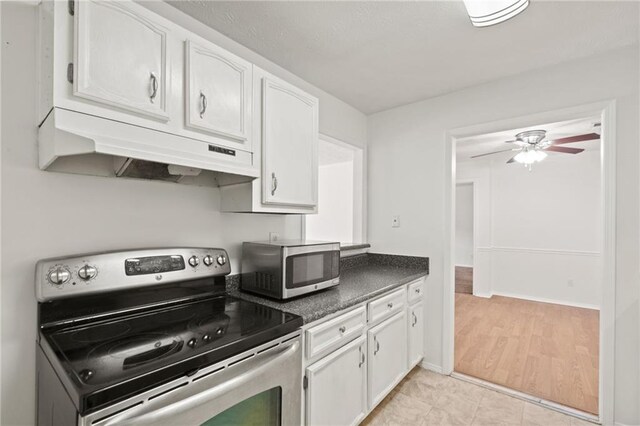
[
  {"x": 484, "y": 295},
  {"x": 431, "y": 367},
  {"x": 544, "y": 300},
  {"x": 464, "y": 266}
]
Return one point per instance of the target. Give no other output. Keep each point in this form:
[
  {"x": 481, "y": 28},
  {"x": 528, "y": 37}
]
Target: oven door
[
  {"x": 264, "y": 389},
  {"x": 310, "y": 268}
]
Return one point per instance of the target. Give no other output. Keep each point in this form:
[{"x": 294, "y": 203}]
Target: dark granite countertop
[{"x": 360, "y": 280}]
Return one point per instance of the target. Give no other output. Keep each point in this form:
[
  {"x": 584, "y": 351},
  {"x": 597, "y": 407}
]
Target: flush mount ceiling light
[{"x": 484, "y": 13}]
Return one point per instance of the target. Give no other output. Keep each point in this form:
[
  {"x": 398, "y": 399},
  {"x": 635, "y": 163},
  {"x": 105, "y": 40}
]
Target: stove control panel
[{"x": 103, "y": 272}]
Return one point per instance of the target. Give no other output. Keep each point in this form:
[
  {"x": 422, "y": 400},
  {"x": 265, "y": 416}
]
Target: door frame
[
  {"x": 607, "y": 112},
  {"x": 474, "y": 195}
]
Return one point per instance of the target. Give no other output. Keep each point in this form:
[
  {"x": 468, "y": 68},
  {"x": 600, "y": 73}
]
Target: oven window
[{"x": 262, "y": 409}]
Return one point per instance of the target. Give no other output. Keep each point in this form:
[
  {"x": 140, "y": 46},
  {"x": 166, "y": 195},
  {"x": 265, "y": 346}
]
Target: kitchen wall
[
  {"x": 464, "y": 224},
  {"x": 544, "y": 228},
  {"x": 407, "y": 151},
  {"x": 51, "y": 214}
]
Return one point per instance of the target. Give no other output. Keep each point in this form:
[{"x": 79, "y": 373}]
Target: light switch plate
[
  {"x": 273, "y": 236},
  {"x": 395, "y": 222}
]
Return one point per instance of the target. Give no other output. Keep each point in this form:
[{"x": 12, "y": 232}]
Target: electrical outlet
[
  {"x": 273, "y": 236},
  {"x": 395, "y": 222}
]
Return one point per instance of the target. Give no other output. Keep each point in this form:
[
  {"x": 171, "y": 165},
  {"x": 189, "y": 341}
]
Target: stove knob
[
  {"x": 221, "y": 259},
  {"x": 87, "y": 272},
  {"x": 59, "y": 276},
  {"x": 86, "y": 375},
  {"x": 206, "y": 338},
  {"x": 192, "y": 342},
  {"x": 207, "y": 260},
  {"x": 194, "y": 261},
  {"x": 220, "y": 330}
]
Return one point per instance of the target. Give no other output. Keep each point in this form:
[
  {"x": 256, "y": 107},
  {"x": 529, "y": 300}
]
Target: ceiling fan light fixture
[
  {"x": 530, "y": 156},
  {"x": 484, "y": 13}
]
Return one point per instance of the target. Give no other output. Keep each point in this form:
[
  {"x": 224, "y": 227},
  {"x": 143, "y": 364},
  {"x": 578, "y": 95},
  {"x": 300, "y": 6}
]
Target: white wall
[
  {"x": 334, "y": 221},
  {"x": 464, "y": 224},
  {"x": 51, "y": 214},
  {"x": 544, "y": 225},
  {"x": 406, "y": 154}
]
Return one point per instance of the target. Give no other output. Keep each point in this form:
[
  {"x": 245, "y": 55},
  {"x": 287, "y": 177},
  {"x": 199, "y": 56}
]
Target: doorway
[
  {"x": 605, "y": 298},
  {"x": 464, "y": 238}
]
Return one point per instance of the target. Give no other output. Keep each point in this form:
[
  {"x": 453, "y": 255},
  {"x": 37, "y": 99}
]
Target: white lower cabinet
[
  {"x": 387, "y": 356},
  {"x": 337, "y": 389},
  {"x": 416, "y": 333}
]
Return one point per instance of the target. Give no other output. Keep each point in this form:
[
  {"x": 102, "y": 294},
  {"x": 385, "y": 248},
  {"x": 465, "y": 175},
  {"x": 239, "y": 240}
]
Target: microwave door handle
[{"x": 162, "y": 410}]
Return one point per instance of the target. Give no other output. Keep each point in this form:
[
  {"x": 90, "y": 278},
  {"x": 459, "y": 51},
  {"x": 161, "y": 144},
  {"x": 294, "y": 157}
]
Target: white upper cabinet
[
  {"x": 121, "y": 57},
  {"x": 290, "y": 145},
  {"x": 218, "y": 92}
]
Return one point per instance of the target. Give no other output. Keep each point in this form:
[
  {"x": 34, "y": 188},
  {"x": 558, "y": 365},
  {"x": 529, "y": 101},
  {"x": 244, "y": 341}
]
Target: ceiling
[
  {"x": 481, "y": 144},
  {"x": 378, "y": 55}
]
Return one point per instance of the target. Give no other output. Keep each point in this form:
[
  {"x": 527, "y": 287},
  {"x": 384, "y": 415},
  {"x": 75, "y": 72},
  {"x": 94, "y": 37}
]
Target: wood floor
[
  {"x": 542, "y": 349},
  {"x": 464, "y": 279}
]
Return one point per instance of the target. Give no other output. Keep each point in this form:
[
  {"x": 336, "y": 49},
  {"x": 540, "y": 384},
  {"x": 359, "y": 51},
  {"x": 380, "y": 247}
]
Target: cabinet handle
[
  {"x": 203, "y": 104},
  {"x": 362, "y": 358},
  {"x": 154, "y": 87},
  {"x": 274, "y": 183},
  {"x": 342, "y": 329},
  {"x": 418, "y": 290},
  {"x": 377, "y": 349},
  {"x": 415, "y": 319},
  {"x": 389, "y": 305}
]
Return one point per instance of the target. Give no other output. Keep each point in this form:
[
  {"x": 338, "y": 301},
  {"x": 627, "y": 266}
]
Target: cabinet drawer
[
  {"x": 416, "y": 289},
  {"x": 387, "y": 305},
  {"x": 334, "y": 333}
]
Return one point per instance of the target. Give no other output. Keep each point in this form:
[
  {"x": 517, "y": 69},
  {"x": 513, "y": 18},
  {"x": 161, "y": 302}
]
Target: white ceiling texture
[{"x": 378, "y": 55}]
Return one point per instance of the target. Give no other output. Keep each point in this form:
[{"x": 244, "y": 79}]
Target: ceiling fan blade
[
  {"x": 491, "y": 153},
  {"x": 577, "y": 138},
  {"x": 511, "y": 160},
  {"x": 564, "y": 149}
]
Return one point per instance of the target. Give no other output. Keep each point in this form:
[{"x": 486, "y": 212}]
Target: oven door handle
[{"x": 162, "y": 410}]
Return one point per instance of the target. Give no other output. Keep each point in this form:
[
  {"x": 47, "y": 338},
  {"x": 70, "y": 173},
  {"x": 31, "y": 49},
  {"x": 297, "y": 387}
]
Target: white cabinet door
[
  {"x": 121, "y": 57},
  {"x": 337, "y": 388},
  {"x": 290, "y": 145},
  {"x": 387, "y": 356},
  {"x": 218, "y": 94},
  {"x": 416, "y": 333}
]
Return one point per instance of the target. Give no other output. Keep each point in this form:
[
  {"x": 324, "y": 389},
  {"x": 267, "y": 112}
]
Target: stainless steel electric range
[{"x": 150, "y": 337}]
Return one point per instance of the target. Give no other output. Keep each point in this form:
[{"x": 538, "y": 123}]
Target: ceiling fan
[{"x": 532, "y": 146}]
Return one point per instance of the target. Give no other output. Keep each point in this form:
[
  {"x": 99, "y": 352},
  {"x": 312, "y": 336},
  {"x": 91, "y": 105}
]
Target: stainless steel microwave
[{"x": 286, "y": 269}]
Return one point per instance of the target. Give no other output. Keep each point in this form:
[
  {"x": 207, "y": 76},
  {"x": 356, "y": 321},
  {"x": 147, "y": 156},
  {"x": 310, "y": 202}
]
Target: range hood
[{"x": 75, "y": 142}]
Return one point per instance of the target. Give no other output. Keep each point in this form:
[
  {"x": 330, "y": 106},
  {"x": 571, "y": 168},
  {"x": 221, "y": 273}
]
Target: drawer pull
[
  {"x": 417, "y": 290},
  {"x": 342, "y": 329},
  {"x": 154, "y": 87},
  {"x": 377, "y": 348},
  {"x": 415, "y": 319},
  {"x": 362, "y": 358},
  {"x": 390, "y": 305},
  {"x": 203, "y": 104}
]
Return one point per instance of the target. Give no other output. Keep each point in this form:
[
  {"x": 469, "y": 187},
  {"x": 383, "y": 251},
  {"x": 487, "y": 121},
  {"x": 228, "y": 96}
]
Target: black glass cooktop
[{"x": 112, "y": 359}]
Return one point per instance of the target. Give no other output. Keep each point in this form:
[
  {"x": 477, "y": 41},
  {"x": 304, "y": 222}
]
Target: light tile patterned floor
[{"x": 425, "y": 398}]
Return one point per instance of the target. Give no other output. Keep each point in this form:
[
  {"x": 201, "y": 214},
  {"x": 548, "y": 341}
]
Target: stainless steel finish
[
  {"x": 111, "y": 274},
  {"x": 154, "y": 87},
  {"x": 191, "y": 401},
  {"x": 207, "y": 260},
  {"x": 274, "y": 183},
  {"x": 194, "y": 261},
  {"x": 203, "y": 104},
  {"x": 221, "y": 260},
  {"x": 87, "y": 272},
  {"x": 59, "y": 275}
]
